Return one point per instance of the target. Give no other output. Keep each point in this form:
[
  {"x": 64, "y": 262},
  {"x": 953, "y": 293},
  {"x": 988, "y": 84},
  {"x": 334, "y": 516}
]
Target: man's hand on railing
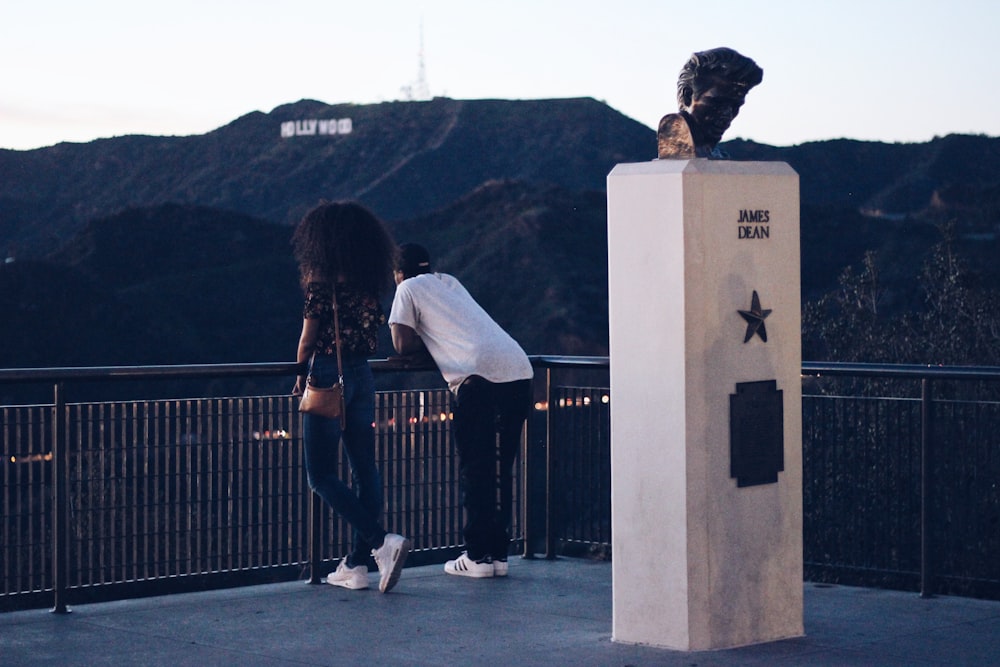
[{"x": 420, "y": 360}]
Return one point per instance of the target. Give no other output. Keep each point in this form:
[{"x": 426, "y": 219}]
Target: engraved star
[{"x": 755, "y": 319}]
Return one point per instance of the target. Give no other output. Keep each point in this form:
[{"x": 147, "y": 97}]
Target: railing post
[
  {"x": 550, "y": 538},
  {"x": 315, "y": 514},
  {"x": 926, "y": 489},
  {"x": 527, "y": 497},
  {"x": 60, "y": 501}
]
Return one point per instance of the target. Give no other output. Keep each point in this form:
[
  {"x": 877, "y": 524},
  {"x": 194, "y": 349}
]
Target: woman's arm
[{"x": 307, "y": 343}]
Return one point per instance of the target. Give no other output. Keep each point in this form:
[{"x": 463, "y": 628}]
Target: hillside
[
  {"x": 164, "y": 285},
  {"x": 402, "y": 159},
  {"x": 158, "y": 250},
  {"x": 182, "y": 284},
  {"x": 534, "y": 256}
]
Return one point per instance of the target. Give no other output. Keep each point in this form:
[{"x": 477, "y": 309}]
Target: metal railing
[
  {"x": 112, "y": 498},
  {"x": 121, "y": 498},
  {"x": 902, "y": 477}
]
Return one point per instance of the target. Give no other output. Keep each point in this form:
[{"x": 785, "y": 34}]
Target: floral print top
[{"x": 360, "y": 317}]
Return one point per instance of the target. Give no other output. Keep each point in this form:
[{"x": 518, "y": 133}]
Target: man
[
  {"x": 711, "y": 88},
  {"x": 490, "y": 376}
]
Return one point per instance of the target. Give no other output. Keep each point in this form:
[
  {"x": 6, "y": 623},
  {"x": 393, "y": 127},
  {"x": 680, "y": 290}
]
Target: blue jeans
[
  {"x": 359, "y": 504},
  {"x": 489, "y": 418}
]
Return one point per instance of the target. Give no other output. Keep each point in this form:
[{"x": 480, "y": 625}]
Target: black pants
[{"x": 489, "y": 418}]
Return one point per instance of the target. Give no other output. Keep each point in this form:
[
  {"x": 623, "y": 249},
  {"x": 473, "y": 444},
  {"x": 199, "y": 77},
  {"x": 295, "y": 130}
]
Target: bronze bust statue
[{"x": 711, "y": 89}]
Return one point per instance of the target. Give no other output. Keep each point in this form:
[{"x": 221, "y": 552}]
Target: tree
[{"x": 959, "y": 323}]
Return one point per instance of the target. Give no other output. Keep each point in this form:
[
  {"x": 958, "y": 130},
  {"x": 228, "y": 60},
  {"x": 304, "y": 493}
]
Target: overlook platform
[{"x": 545, "y": 613}]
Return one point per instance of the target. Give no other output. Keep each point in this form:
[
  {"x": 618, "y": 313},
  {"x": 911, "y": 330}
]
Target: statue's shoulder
[{"x": 673, "y": 138}]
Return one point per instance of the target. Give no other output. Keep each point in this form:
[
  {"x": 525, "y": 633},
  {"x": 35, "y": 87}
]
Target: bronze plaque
[{"x": 756, "y": 433}]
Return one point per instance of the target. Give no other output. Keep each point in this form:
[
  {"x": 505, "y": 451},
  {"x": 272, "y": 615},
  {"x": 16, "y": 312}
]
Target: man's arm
[{"x": 405, "y": 339}]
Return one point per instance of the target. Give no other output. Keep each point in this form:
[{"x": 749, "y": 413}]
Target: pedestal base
[{"x": 705, "y": 386}]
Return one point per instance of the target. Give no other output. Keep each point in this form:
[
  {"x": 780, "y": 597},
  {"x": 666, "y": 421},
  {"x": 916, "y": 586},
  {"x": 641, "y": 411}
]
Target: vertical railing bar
[
  {"x": 439, "y": 449},
  {"x": 130, "y": 442},
  {"x": 264, "y": 482},
  {"x": 432, "y": 515},
  {"x": 239, "y": 470},
  {"x": 185, "y": 484},
  {"x": 520, "y": 486},
  {"x": 60, "y": 529},
  {"x": 550, "y": 539},
  {"x": 253, "y": 408},
  {"x": 202, "y": 454},
  {"x": 157, "y": 425},
  {"x": 237, "y": 521},
  {"x": 170, "y": 445},
  {"x": 104, "y": 509},
  {"x": 286, "y": 484},
  {"x": 443, "y": 451},
  {"x": 248, "y": 536},
  {"x": 416, "y": 523},
  {"x": 527, "y": 469},
  {"x": 101, "y": 529},
  {"x": 6, "y": 545},
  {"x": 251, "y": 530},
  {"x": 313, "y": 535},
  {"x": 219, "y": 449},
  {"x": 926, "y": 489},
  {"x": 160, "y": 478},
  {"x": 151, "y": 513},
  {"x": 314, "y": 538},
  {"x": 168, "y": 535},
  {"x": 229, "y": 497},
  {"x": 93, "y": 553},
  {"x": 41, "y": 427},
  {"x": 115, "y": 503}
]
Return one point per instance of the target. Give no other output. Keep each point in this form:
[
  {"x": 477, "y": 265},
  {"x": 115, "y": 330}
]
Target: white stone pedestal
[{"x": 699, "y": 561}]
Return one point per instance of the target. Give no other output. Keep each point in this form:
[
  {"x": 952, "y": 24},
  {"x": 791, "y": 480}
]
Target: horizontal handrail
[
  {"x": 910, "y": 371},
  {"x": 390, "y": 364},
  {"x": 91, "y": 373}
]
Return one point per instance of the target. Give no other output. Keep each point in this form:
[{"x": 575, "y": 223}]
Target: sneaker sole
[
  {"x": 472, "y": 574},
  {"x": 386, "y": 584},
  {"x": 348, "y": 584}
]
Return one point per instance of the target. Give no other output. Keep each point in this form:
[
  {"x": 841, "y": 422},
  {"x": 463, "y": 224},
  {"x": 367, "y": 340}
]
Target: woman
[{"x": 344, "y": 251}]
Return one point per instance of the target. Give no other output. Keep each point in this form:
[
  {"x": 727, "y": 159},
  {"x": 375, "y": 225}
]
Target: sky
[{"x": 875, "y": 70}]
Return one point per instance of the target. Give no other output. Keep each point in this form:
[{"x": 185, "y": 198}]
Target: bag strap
[{"x": 336, "y": 333}]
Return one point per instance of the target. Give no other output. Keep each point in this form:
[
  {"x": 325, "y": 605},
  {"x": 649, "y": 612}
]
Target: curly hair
[
  {"x": 344, "y": 239},
  {"x": 724, "y": 63}
]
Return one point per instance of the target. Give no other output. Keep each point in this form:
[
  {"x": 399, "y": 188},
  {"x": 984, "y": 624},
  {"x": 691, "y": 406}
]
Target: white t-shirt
[{"x": 463, "y": 339}]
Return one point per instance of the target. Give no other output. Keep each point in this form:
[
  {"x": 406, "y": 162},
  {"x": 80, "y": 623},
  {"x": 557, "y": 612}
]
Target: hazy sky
[{"x": 886, "y": 70}]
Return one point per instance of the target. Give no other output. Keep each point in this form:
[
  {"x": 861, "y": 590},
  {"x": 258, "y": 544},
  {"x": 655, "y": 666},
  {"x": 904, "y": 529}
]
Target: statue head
[{"x": 711, "y": 89}]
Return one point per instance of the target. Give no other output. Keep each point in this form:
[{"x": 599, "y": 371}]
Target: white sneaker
[
  {"x": 500, "y": 568},
  {"x": 354, "y": 578},
  {"x": 390, "y": 558},
  {"x": 463, "y": 566}
]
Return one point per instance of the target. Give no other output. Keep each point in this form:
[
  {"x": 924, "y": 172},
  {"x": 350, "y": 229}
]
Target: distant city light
[{"x": 31, "y": 458}]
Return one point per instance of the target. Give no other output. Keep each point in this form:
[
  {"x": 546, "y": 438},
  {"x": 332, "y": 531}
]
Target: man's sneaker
[
  {"x": 354, "y": 578},
  {"x": 463, "y": 566},
  {"x": 390, "y": 558},
  {"x": 499, "y": 567}
]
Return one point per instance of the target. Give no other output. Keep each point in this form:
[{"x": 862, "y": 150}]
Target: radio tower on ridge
[{"x": 419, "y": 90}]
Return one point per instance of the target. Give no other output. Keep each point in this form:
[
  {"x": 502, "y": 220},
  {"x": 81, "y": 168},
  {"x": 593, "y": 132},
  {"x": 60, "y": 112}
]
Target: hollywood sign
[{"x": 312, "y": 127}]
